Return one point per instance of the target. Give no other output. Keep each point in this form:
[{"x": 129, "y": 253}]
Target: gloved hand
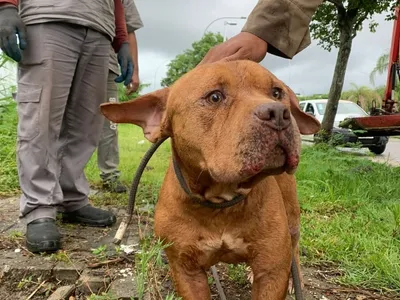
[
  {"x": 11, "y": 25},
  {"x": 125, "y": 62}
]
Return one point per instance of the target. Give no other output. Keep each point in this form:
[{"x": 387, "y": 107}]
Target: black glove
[
  {"x": 11, "y": 25},
  {"x": 126, "y": 64}
]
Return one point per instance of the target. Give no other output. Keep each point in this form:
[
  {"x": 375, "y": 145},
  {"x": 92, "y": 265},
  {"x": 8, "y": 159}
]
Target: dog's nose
[{"x": 275, "y": 115}]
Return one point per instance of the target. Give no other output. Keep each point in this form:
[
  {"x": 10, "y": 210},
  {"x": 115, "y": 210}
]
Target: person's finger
[
  {"x": 119, "y": 79},
  {"x": 129, "y": 74},
  {"x": 238, "y": 55},
  {"x": 124, "y": 67},
  {"x": 12, "y": 47},
  {"x": 22, "y": 37}
]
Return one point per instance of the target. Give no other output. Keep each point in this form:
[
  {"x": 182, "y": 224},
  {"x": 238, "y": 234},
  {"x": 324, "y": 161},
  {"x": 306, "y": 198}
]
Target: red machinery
[{"x": 384, "y": 121}]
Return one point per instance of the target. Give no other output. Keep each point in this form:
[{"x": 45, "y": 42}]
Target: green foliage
[
  {"x": 381, "y": 67},
  {"x": 334, "y": 16},
  {"x": 314, "y": 96},
  {"x": 237, "y": 273},
  {"x": 123, "y": 97},
  {"x": 100, "y": 252},
  {"x": 7, "y": 66},
  {"x": 8, "y": 137},
  {"x": 190, "y": 58},
  {"x": 363, "y": 96}
]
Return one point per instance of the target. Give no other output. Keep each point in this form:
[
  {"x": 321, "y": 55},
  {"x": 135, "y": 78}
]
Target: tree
[
  {"x": 190, "y": 58},
  {"x": 363, "y": 96},
  {"x": 335, "y": 24},
  {"x": 381, "y": 67}
]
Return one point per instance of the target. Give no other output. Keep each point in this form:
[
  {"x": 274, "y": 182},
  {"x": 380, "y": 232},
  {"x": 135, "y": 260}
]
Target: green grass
[
  {"x": 350, "y": 205},
  {"x": 8, "y": 135},
  {"x": 133, "y": 147},
  {"x": 350, "y": 216}
]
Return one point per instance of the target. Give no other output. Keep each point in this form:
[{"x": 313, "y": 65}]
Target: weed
[
  {"x": 146, "y": 260},
  {"x": 15, "y": 235},
  {"x": 103, "y": 296},
  {"x": 395, "y": 211},
  {"x": 60, "y": 256},
  {"x": 237, "y": 273},
  {"x": 172, "y": 297},
  {"x": 118, "y": 250},
  {"x": 28, "y": 281},
  {"x": 100, "y": 252}
]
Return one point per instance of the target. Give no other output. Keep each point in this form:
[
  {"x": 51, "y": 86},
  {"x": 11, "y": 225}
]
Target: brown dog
[{"x": 234, "y": 131}]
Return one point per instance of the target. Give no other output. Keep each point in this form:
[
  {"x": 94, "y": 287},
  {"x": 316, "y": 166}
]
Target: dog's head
[{"x": 234, "y": 120}]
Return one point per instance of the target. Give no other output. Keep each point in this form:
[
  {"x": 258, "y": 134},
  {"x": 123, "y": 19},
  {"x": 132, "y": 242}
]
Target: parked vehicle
[{"x": 347, "y": 137}]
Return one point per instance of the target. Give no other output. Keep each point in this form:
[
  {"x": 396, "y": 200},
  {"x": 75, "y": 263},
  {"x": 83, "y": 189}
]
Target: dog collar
[{"x": 199, "y": 199}]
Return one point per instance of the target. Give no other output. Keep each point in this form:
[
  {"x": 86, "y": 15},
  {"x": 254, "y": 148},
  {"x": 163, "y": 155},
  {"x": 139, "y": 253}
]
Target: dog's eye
[
  {"x": 215, "y": 97},
  {"x": 277, "y": 93}
]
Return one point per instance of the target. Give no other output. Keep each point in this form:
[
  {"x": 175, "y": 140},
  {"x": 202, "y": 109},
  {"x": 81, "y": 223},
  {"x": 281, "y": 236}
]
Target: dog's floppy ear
[
  {"x": 307, "y": 124},
  {"x": 146, "y": 111}
]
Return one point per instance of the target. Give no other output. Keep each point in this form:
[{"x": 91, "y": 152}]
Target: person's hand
[
  {"x": 126, "y": 64},
  {"x": 243, "y": 46},
  {"x": 134, "y": 85},
  {"x": 12, "y": 26}
]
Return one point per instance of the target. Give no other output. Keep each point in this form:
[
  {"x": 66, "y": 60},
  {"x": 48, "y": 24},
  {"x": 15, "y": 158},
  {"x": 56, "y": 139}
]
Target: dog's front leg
[
  {"x": 190, "y": 279},
  {"x": 271, "y": 277}
]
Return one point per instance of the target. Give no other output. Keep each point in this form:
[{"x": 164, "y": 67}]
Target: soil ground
[{"x": 27, "y": 276}]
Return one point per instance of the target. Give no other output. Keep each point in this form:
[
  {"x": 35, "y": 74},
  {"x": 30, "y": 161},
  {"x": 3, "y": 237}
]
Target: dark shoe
[
  {"x": 91, "y": 216},
  {"x": 114, "y": 186},
  {"x": 42, "y": 236}
]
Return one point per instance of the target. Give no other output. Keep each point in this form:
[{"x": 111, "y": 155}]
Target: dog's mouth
[
  {"x": 286, "y": 163},
  {"x": 259, "y": 164}
]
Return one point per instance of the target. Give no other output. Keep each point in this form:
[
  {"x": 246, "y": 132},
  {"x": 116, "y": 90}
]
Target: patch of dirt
[{"x": 24, "y": 275}]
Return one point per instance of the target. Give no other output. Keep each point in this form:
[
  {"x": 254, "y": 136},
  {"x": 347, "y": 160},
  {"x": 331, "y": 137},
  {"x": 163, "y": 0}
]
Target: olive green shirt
[{"x": 283, "y": 24}]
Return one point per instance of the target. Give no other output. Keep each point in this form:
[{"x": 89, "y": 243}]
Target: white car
[{"x": 346, "y": 109}]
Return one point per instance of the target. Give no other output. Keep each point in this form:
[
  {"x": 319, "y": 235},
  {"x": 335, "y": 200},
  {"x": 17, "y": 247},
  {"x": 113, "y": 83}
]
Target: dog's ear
[
  {"x": 147, "y": 111},
  {"x": 307, "y": 124}
]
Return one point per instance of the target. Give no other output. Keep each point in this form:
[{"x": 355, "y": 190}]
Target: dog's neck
[{"x": 198, "y": 182}]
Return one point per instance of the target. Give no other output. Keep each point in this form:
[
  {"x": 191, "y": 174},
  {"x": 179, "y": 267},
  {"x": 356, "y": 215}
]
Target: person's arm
[
  {"x": 121, "y": 34},
  {"x": 133, "y": 23},
  {"x": 134, "y": 52},
  {"x": 284, "y": 24},
  {"x": 13, "y": 2},
  {"x": 279, "y": 27},
  {"x": 121, "y": 45}
]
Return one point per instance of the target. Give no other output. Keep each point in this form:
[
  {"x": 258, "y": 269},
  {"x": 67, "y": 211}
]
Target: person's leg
[
  {"x": 81, "y": 130},
  {"x": 44, "y": 78},
  {"x": 107, "y": 150}
]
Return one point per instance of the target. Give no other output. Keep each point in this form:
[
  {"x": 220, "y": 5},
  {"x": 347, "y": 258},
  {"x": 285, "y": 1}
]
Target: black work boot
[
  {"x": 91, "y": 216},
  {"x": 42, "y": 236},
  {"x": 114, "y": 186}
]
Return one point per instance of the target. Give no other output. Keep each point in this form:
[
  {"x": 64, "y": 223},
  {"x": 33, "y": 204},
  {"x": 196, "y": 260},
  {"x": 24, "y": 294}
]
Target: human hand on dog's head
[
  {"x": 235, "y": 114},
  {"x": 243, "y": 46}
]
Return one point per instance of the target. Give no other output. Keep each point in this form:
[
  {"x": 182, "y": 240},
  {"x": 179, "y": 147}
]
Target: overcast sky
[{"x": 172, "y": 26}]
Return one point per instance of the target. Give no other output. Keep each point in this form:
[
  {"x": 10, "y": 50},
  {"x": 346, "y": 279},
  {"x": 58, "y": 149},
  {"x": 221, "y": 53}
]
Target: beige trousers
[{"x": 61, "y": 83}]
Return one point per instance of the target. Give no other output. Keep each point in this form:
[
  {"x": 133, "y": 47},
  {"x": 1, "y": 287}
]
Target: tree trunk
[{"x": 346, "y": 39}]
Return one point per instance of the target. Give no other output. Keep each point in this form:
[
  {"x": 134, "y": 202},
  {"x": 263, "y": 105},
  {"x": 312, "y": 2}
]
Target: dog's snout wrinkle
[{"x": 275, "y": 115}]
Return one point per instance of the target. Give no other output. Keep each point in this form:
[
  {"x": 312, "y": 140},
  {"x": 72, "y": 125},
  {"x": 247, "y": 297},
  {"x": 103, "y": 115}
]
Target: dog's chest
[{"x": 227, "y": 244}]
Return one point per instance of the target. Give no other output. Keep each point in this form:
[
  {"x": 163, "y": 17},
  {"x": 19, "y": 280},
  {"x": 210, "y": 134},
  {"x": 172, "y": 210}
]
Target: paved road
[{"x": 391, "y": 154}]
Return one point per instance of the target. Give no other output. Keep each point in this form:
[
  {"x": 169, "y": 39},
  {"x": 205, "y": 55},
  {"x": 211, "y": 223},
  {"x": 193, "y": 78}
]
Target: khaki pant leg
[
  {"x": 108, "y": 150},
  {"x": 83, "y": 122},
  {"x": 45, "y": 77}
]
